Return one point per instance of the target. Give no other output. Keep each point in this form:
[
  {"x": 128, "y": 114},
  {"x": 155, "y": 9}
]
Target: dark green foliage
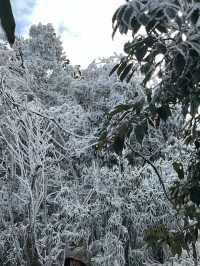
[
  {"x": 141, "y": 130},
  {"x": 7, "y": 20},
  {"x": 164, "y": 112},
  {"x": 195, "y": 101},
  {"x": 195, "y": 16},
  {"x": 181, "y": 75},
  {"x": 118, "y": 143},
  {"x": 102, "y": 140},
  {"x": 140, "y": 52},
  {"x": 123, "y": 132},
  {"x": 114, "y": 69},
  {"x": 179, "y": 63},
  {"x": 119, "y": 109},
  {"x": 126, "y": 71},
  {"x": 156, "y": 236},
  {"x": 170, "y": 48},
  {"x": 195, "y": 195},
  {"x": 178, "y": 167}
]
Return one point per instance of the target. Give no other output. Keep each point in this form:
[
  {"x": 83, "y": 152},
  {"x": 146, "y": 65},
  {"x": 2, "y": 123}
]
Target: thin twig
[{"x": 154, "y": 168}]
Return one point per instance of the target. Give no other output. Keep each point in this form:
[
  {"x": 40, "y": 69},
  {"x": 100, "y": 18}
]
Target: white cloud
[
  {"x": 84, "y": 25},
  {"x": 88, "y": 26},
  {"x": 22, "y": 10}
]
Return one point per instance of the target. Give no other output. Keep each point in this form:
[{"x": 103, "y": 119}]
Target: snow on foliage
[{"x": 58, "y": 194}]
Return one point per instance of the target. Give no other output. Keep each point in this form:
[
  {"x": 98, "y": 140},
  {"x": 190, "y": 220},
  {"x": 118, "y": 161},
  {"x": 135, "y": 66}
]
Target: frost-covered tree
[{"x": 60, "y": 196}]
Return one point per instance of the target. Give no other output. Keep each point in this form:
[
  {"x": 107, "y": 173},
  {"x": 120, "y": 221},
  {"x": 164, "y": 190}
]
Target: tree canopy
[
  {"x": 165, "y": 48},
  {"x": 61, "y": 193}
]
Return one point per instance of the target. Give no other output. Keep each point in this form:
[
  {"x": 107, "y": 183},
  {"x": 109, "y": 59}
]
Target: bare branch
[{"x": 154, "y": 168}]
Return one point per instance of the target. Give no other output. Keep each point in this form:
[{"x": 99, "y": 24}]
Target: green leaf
[
  {"x": 150, "y": 57},
  {"x": 179, "y": 63},
  {"x": 123, "y": 132},
  {"x": 194, "y": 16},
  {"x": 179, "y": 21},
  {"x": 126, "y": 71},
  {"x": 102, "y": 140},
  {"x": 119, "y": 109},
  {"x": 141, "y": 130},
  {"x": 128, "y": 47},
  {"x": 130, "y": 157},
  {"x": 150, "y": 41},
  {"x": 188, "y": 237},
  {"x": 150, "y": 122},
  {"x": 156, "y": 235},
  {"x": 118, "y": 144},
  {"x": 128, "y": 14},
  {"x": 125, "y": 129},
  {"x": 161, "y": 28},
  {"x": 140, "y": 52},
  {"x": 188, "y": 140},
  {"x": 130, "y": 75},
  {"x": 178, "y": 167},
  {"x": 195, "y": 195},
  {"x": 143, "y": 19},
  {"x": 175, "y": 246},
  {"x": 121, "y": 12},
  {"x": 135, "y": 25},
  {"x": 114, "y": 69},
  {"x": 121, "y": 67},
  {"x": 195, "y": 233},
  {"x": 150, "y": 25},
  {"x": 161, "y": 48},
  {"x": 115, "y": 30},
  {"x": 7, "y": 20},
  {"x": 194, "y": 105},
  {"x": 197, "y": 144},
  {"x": 148, "y": 77},
  {"x": 114, "y": 17},
  {"x": 123, "y": 29},
  {"x": 164, "y": 112},
  {"x": 196, "y": 75},
  {"x": 170, "y": 12},
  {"x": 159, "y": 13},
  {"x": 145, "y": 68}
]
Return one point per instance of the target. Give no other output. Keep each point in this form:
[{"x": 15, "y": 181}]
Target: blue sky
[{"x": 84, "y": 25}]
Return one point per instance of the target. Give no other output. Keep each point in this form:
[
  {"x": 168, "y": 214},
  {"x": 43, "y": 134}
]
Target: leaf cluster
[
  {"x": 177, "y": 241},
  {"x": 7, "y": 20},
  {"x": 166, "y": 43}
]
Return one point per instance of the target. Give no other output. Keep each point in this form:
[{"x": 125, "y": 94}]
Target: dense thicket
[{"x": 60, "y": 195}]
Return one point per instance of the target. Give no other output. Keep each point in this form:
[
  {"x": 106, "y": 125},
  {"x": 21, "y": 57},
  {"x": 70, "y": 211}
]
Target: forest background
[{"x": 102, "y": 163}]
